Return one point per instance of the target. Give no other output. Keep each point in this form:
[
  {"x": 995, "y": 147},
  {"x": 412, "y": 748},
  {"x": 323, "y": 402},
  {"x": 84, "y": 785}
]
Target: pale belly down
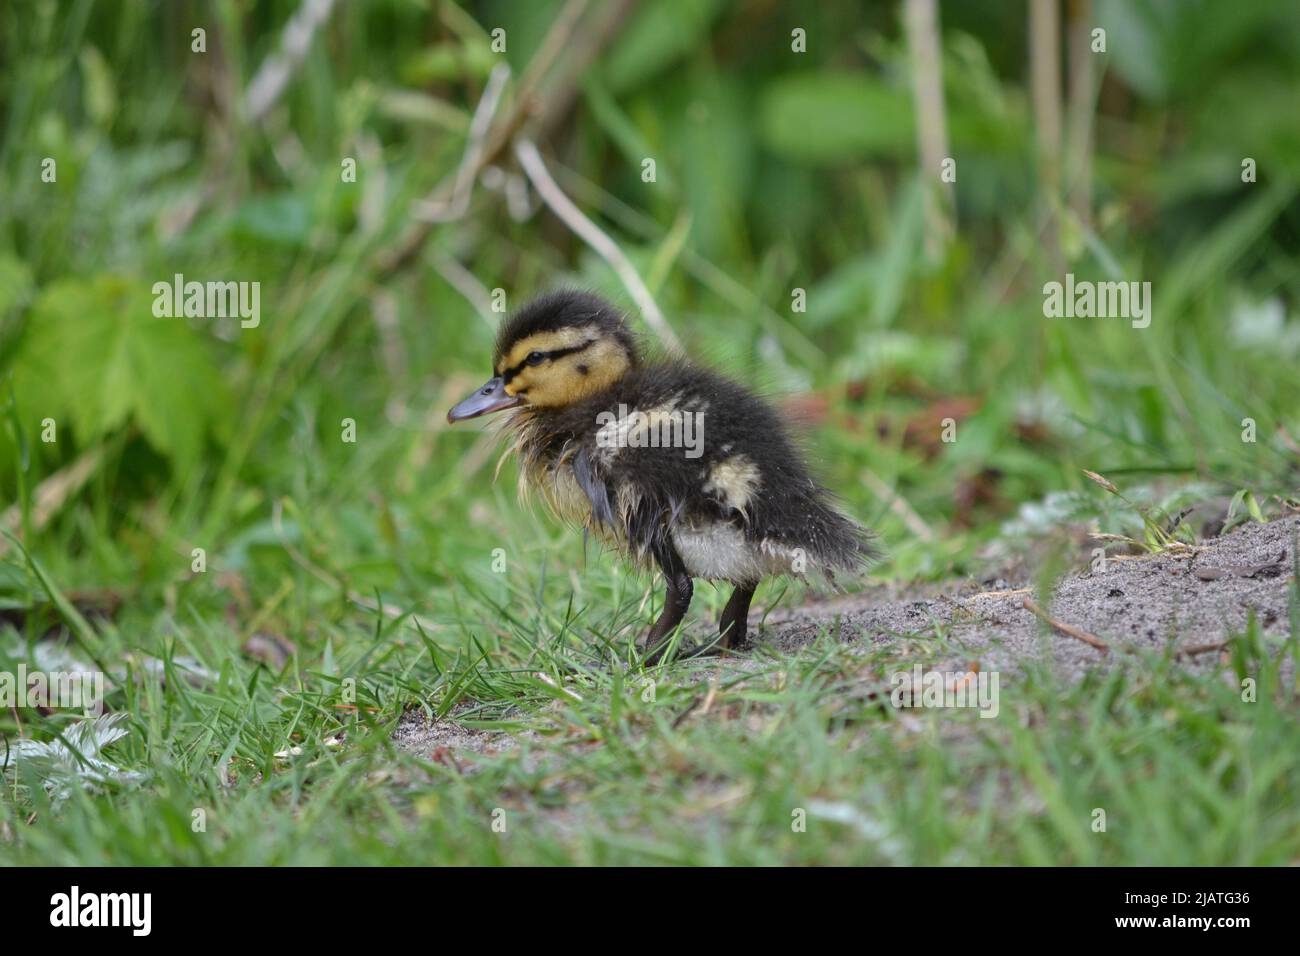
[
  {"x": 720, "y": 551},
  {"x": 712, "y": 550}
]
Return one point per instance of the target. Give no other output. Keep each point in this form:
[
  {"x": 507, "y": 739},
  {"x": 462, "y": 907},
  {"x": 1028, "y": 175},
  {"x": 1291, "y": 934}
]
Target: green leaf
[
  {"x": 1166, "y": 48},
  {"x": 96, "y": 355},
  {"x": 98, "y": 87},
  {"x": 833, "y": 117},
  {"x": 716, "y": 160},
  {"x": 616, "y": 124},
  {"x": 15, "y": 281},
  {"x": 76, "y": 622},
  {"x": 658, "y": 35},
  {"x": 15, "y": 286},
  {"x": 282, "y": 217}
]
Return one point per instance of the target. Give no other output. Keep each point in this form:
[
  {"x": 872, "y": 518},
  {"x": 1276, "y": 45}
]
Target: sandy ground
[
  {"x": 1182, "y": 603},
  {"x": 448, "y": 743},
  {"x": 1146, "y": 602}
]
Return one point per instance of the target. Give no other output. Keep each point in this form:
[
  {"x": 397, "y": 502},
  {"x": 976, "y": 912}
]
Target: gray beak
[{"x": 490, "y": 398}]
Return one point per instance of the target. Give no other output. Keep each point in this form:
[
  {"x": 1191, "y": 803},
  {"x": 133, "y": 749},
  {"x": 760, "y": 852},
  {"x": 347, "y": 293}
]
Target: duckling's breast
[{"x": 564, "y": 496}]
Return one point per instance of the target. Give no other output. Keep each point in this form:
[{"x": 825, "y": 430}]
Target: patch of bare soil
[
  {"x": 1186, "y": 603},
  {"x": 447, "y": 742}
]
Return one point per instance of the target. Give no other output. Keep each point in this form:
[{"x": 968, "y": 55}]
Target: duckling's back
[{"x": 675, "y": 454}]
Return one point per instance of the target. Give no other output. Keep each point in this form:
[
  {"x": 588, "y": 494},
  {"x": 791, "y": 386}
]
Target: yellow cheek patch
[
  {"x": 569, "y": 378},
  {"x": 520, "y": 382},
  {"x": 551, "y": 385},
  {"x": 544, "y": 342},
  {"x": 576, "y": 376}
]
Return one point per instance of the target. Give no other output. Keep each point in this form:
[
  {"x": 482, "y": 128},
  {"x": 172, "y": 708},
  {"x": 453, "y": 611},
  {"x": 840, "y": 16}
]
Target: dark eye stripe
[{"x": 510, "y": 373}]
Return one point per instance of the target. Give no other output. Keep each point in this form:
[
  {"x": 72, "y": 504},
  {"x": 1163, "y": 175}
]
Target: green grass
[
  {"x": 372, "y": 562},
  {"x": 655, "y": 766}
]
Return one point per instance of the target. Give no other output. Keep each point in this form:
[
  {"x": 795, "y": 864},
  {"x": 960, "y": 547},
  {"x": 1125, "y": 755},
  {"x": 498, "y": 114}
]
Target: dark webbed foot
[{"x": 734, "y": 623}]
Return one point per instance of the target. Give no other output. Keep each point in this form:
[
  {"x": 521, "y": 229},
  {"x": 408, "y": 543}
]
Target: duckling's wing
[{"x": 593, "y": 487}]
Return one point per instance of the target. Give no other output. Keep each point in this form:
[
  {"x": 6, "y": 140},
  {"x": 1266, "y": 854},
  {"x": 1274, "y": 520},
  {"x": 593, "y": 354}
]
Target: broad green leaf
[{"x": 95, "y": 355}]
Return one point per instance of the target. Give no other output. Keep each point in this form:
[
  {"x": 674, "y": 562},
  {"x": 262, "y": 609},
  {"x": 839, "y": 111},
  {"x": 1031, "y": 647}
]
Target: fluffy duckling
[{"x": 672, "y": 463}]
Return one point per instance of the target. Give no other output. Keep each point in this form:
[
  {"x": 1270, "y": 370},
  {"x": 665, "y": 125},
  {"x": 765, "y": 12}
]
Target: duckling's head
[{"x": 555, "y": 351}]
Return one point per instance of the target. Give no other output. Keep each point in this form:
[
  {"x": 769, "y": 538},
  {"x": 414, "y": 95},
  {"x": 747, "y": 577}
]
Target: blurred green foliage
[{"x": 776, "y": 170}]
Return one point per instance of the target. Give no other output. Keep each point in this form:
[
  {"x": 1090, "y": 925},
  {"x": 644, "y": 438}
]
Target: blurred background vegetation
[{"x": 775, "y": 171}]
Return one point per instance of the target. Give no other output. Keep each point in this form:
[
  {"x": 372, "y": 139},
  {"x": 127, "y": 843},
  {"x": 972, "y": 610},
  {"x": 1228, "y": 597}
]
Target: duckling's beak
[{"x": 491, "y": 397}]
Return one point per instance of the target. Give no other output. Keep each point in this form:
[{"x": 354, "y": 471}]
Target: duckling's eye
[{"x": 535, "y": 358}]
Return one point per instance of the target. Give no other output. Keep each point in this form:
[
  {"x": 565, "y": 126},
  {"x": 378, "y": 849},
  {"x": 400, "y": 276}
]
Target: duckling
[{"x": 674, "y": 464}]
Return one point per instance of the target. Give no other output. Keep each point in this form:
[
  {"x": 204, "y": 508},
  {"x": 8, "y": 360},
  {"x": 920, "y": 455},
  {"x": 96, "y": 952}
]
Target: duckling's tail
[
  {"x": 818, "y": 538},
  {"x": 838, "y": 543}
]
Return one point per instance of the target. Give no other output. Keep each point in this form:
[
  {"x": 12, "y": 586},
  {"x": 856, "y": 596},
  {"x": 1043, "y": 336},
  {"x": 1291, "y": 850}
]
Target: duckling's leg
[
  {"x": 735, "y": 617},
  {"x": 676, "y": 601}
]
